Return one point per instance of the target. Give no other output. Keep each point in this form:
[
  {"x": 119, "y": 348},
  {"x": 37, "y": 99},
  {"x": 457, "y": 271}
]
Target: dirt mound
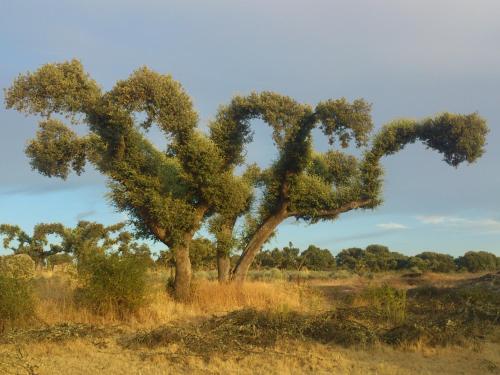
[{"x": 240, "y": 330}]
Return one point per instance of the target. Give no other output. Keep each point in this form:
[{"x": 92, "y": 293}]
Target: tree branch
[{"x": 344, "y": 208}]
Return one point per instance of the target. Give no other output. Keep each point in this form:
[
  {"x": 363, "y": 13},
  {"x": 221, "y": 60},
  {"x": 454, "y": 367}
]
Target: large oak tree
[{"x": 169, "y": 193}]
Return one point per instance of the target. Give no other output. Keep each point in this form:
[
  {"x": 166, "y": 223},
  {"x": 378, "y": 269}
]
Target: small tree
[{"x": 37, "y": 245}]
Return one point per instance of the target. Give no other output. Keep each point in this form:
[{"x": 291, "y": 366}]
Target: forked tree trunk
[
  {"x": 182, "y": 281},
  {"x": 259, "y": 238},
  {"x": 223, "y": 267}
]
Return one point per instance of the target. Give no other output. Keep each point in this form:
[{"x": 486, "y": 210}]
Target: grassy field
[{"x": 346, "y": 324}]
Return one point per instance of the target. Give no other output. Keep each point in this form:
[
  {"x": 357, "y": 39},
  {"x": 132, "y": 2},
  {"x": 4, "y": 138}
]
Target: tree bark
[
  {"x": 183, "y": 272},
  {"x": 182, "y": 281},
  {"x": 224, "y": 245},
  {"x": 223, "y": 267},
  {"x": 259, "y": 238},
  {"x": 267, "y": 228}
]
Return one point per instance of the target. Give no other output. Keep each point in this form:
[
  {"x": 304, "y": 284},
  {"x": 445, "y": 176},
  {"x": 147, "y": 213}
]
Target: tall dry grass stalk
[{"x": 55, "y": 300}]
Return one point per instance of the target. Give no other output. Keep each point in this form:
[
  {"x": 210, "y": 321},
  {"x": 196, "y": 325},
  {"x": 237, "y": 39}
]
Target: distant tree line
[
  {"x": 53, "y": 244},
  {"x": 377, "y": 258},
  {"x": 374, "y": 258}
]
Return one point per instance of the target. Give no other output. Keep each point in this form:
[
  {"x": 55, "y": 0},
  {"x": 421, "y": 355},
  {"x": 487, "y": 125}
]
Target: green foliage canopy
[{"x": 166, "y": 193}]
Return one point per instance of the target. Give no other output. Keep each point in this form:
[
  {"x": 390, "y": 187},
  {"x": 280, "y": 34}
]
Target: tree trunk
[
  {"x": 224, "y": 239},
  {"x": 182, "y": 282},
  {"x": 183, "y": 272},
  {"x": 259, "y": 238},
  {"x": 223, "y": 267}
]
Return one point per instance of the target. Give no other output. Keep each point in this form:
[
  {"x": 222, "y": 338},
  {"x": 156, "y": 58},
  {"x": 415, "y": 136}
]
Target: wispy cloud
[
  {"x": 388, "y": 229},
  {"x": 85, "y": 214},
  {"x": 392, "y": 226},
  {"x": 482, "y": 224},
  {"x": 354, "y": 237},
  {"x": 47, "y": 188}
]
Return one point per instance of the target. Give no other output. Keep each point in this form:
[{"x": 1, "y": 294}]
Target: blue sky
[{"x": 408, "y": 58}]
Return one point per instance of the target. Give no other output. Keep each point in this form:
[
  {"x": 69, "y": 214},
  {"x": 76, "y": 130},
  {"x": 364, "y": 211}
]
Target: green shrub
[
  {"x": 113, "y": 283},
  {"x": 391, "y": 302},
  {"x": 16, "y": 301},
  {"x": 19, "y": 266}
]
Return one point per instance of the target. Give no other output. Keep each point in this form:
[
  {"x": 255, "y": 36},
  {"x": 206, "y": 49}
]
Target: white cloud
[
  {"x": 392, "y": 226},
  {"x": 483, "y": 225},
  {"x": 431, "y": 219}
]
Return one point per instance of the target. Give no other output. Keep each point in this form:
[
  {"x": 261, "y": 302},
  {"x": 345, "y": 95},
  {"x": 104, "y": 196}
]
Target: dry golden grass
[
  {"x": 103, "y": 354},
  {"x": 54, "y": 292},
  {"x": 81, "y": 357}
]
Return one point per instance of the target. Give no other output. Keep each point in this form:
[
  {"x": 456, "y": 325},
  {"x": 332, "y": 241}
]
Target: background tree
[
  {"x": 37, "y": 245},
  {"x": 351, "y": 258},
  {"x": 380, "y": 258},
  {"x": 477, "y": 261},
  {"x": 374, "y": 258},
  {"x": 79, "y": 243},
  {"x": 314, "y": 258},
  {"x": 203, "y": 254},
  {"x": 59, "y": 259},
  {"x": 167, "y": 193},
  {"x": 436, "y": 262},
  {"x": 290, "y": 258},
  {"x": 312, "y": 186}
]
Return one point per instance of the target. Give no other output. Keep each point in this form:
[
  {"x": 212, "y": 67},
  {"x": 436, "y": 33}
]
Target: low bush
[
  {"x": 18, "y": 266},
  {"x": 113, "y": 284},
  {"x": 391, "y": 302},
  {"x": 17, "y": 303}
]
